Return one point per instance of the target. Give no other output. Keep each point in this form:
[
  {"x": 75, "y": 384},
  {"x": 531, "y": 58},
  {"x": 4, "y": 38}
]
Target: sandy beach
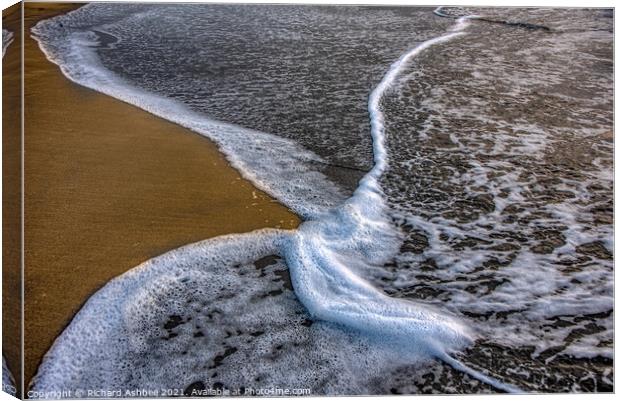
[
  {"x": 109, "y": 186},
  {"x": 11, "y": 194}
]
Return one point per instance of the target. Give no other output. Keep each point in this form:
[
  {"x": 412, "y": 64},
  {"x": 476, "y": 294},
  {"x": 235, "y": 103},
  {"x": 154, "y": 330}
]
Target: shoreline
[
  {"x": 11, "y": 197},
  {"x": 109, "y": 186}
]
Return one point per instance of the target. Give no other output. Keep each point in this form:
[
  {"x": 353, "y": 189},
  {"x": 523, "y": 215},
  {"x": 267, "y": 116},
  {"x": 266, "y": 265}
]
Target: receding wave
[{"x": 468, "y": 273}]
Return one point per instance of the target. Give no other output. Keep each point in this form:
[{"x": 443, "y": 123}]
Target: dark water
[
  {"x": 499, "y": 174},
  {"x": 299, "y": 72}
]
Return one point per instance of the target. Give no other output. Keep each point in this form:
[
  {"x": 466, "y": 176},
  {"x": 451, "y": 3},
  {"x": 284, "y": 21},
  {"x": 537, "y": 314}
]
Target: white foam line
[
  {"x": 376, "y": 116},
  {"x": 274, "y": 164},
  {"x": 438, "y": 11},
  {"x": 481, "y": 376}
]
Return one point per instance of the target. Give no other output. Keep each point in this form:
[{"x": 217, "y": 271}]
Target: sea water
[{"x": 453, "y": 168}]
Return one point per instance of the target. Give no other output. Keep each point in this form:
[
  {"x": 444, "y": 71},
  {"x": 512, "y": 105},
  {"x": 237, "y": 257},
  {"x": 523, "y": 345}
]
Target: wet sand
[
  {"x": 108, "y": 186},
  {"x": 11, "y": 194}
]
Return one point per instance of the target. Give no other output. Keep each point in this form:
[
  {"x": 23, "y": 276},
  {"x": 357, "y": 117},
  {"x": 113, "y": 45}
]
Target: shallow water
[
  {"x": 492, "y": 217},
  {"x": 501, "y": 174}
]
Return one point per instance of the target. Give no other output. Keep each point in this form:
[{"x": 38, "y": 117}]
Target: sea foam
[
  {"x": 8, "y": 383},
  {"x": 7, "y": 39},
  {"x": 118, "y": 339},
  {"x": 276, "y": 165},
  {"x": 502, "y": 181},
  {"x": 329, "y": 255}
]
